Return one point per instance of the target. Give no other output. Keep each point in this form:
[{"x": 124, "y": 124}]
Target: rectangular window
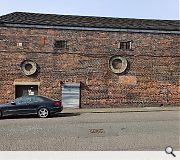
[
  {"x": 61, "y": 44},
  {"x": 125, "y": 45}
]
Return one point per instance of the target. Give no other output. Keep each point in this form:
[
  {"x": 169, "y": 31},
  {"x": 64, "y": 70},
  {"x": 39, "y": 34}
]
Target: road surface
[{"x": 134, "y": 131}]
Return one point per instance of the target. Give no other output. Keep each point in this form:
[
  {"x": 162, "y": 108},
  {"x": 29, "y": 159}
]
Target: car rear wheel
[{"x": 43, "y": 112}]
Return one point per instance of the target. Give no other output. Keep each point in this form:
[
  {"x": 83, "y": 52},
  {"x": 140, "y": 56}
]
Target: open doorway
[{"x": 24, "y": 90}]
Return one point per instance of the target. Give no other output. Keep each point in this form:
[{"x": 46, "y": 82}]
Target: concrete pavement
[{"x": 121, "y": 110}]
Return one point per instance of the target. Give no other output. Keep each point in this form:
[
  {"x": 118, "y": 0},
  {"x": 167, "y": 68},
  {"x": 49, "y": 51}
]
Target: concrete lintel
[{"x": 27, "y": 83}]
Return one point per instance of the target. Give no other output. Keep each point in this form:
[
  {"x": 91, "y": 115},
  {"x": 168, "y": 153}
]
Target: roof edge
[{"x": 90, "y": 28}]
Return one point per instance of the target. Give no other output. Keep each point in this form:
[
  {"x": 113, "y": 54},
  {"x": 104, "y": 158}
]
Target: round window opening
[
  {"x": 28, "y": 67},
  {"x": 117, "y": 64}
]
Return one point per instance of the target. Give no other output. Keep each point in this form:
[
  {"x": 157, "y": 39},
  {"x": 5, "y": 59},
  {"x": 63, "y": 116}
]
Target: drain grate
[{"x": 95, "y": 132}]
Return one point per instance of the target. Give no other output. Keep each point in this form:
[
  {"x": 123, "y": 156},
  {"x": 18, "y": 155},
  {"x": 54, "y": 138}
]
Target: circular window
[
  {"x": 117, "y": 64},
  {"x": 28, "y": 67}
]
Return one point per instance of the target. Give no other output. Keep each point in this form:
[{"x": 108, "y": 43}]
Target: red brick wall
[{"x": 152, "y": 77}]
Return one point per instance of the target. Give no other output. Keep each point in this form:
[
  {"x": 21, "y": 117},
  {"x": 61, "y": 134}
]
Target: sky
[{"x": 143, "y": 9}]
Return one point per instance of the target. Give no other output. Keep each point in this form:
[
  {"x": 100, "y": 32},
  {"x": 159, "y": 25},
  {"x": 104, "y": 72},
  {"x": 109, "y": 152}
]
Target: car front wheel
[{"x": 43, "y": 112}]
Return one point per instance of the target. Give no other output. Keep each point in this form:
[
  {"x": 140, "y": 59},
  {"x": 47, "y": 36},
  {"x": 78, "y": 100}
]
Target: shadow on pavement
[
  {"x": 35, "y": 116},
  {"x": 18, "y": 117},
  {"x": 66, "y": 115}
]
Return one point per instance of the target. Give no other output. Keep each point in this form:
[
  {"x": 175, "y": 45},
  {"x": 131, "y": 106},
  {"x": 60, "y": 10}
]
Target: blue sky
[{"x": 146, "y": 9}]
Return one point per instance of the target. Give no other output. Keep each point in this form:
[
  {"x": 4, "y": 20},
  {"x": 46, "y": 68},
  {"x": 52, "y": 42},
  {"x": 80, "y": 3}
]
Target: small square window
[
  {"x": 125, "y": 45},
  {"x": 60, "y": 44},
  {"x": 20, "y": 44}
]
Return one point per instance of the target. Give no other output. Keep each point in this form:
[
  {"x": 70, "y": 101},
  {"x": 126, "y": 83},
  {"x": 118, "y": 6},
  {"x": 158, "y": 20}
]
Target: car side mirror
[{"x": 13, "y": 103}]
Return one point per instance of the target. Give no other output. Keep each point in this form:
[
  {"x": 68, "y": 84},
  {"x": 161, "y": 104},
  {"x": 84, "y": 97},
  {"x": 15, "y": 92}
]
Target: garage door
[{"x": 71, "y": 95}]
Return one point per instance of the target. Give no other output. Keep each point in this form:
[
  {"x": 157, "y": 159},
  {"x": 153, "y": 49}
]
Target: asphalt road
[{"x": 135, "y": 131}]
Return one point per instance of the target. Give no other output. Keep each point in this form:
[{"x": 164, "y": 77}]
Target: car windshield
[
  {"x": 26, "y": 99},
  {"x": 29, "y": 99},
  {"x": 46, "y": 99}
]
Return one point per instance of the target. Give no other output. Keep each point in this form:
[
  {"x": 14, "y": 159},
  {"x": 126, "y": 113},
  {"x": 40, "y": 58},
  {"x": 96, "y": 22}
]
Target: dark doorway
[{"x": 24, "y": 90}]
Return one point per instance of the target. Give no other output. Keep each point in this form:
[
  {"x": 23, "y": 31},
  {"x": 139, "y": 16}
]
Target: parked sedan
[{"x": 30, "y": 105}]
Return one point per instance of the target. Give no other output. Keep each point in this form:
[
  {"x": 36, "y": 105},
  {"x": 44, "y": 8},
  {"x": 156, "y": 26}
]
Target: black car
[{"x": 30, "y": 105}]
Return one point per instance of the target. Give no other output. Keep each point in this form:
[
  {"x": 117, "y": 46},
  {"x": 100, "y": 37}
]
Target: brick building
[{"x": 95, "y": 61}]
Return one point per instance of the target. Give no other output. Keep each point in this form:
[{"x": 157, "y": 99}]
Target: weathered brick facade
[{"x": 151, "y": 79}]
